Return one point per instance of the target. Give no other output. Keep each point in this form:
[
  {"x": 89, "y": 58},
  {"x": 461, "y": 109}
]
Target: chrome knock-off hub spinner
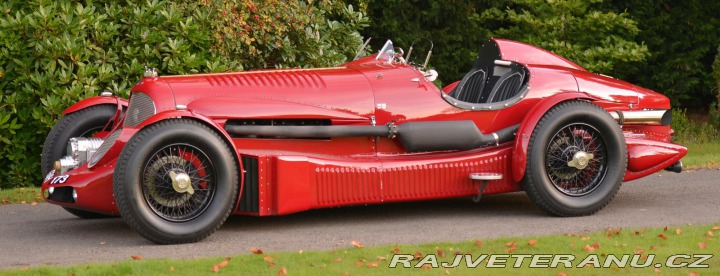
[
  {"x": 181, "y": 182},
  {"x": 580, "y": 160}
]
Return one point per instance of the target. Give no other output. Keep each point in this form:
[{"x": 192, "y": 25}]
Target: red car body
[{"x": 287, "y": 175}]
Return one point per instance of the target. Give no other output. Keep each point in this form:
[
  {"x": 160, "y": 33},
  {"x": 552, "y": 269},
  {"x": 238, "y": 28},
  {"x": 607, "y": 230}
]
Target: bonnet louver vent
[{"x": 280, "y": 79}]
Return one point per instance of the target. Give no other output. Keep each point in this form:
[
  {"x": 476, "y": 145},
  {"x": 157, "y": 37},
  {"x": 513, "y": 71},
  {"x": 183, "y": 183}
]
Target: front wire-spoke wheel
[{"x": 82, "y": 123}]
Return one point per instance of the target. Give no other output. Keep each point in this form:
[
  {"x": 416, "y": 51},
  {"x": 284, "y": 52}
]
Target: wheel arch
[
  {"x": 175, "y": 114},
  {"x": 522, "y": 140},
  {"x": 93, "y": 101}
]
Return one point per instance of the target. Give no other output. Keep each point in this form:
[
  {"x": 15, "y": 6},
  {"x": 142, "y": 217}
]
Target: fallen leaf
[
  {"x": 678, "y": 231},
  {"x": 562, "y": 274},
  {"x": 653, "y": 248},
  {"x": 636, "y": 233},
  {"x": 301, "y": 251},
  {"x": 396, "y": 250},
  {"x": 102, "y": 243},
  {"x": 693, "y": 273},
  {"x": 418, "y": 255},
  {"x": 532, "y": 242},
  {"x": 271, "y": 265},
  {"x": 346, "y": 274},
  {"x": 665, "y": 229},
  {"x": 338, "y": 259},
  {"x": 511, "y": 244},
  {"x": 662, "y": 236},
  {"x": 585, "y": 238},
  {"x": 381, "y": 258},
  {"x": 216, "y": 268},
  {"x": 256, "y": 250},
  {"x": 426, "y": 267},
  {"x": 267, "y": 258},
  {"x": 357, "y": 244},
  {"x": 172, "y": 268},
  {"x": 23, "y": 202},
  {"x": 596, "y": 245},
  {"x": 511, "y": 249},
  {"x": 716, "y": 227},
  {"x": 441, "y": 253},
  {"x": 136, "y": 257},
  {"x": 447, "y": 272},
  {"x": 657, "y": 270},
  {"x": 358, "y": 263},
  {"x": 282, "y": 271},
  {"x": 638, "y": 251},
  {"x": 711, "y": 234},
  {"x": 33, "y": 203},
  {"x": 588, "y": 248},
  {"x": 373, "y": 264},
  {"x": 479, "y": 243},
  {"x": 5, "y": 201},
  {"x": 702, "y": 245},
  {"x": 572, "y": 245}
]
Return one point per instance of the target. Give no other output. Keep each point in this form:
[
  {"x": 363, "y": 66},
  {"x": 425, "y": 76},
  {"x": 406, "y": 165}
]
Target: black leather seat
[
  {"x": 471, "y": 86},
  {"x": 507, "y": 86}
]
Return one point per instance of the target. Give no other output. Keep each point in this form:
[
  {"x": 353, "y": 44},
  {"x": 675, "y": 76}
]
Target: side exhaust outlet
[
  {"x": 676, "y": 168},
  {"x": 643, "y": 117}
]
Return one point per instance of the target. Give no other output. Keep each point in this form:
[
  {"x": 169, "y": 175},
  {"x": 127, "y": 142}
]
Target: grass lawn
[
  {"x": 654, "y": 245},
  {"x": 28, "y": 195},
  {"x": 702, "y": 156}
]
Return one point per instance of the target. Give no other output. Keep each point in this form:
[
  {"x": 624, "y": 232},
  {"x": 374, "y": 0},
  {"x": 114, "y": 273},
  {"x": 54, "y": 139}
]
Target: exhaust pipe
[
  {"x": 414, "y": 136},
  {"x": 676, "y": 167},
  {"x": 643, "y": 117}
]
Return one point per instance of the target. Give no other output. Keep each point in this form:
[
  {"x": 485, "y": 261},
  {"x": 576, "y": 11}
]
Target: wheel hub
[
  {"x": 580, "y": 160},
  {"x": 181, "y": 182}
]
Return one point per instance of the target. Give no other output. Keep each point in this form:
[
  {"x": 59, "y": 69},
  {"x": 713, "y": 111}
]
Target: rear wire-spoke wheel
[
  {"x": 176, "y": 181},
  {"x": 576, "y": 160}
]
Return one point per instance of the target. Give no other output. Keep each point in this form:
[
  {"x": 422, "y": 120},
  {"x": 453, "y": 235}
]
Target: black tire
[
  {"x": 82, "y": 123},
  {"x": 558, "y": 179},
  {"x": 149, "y": 200}
]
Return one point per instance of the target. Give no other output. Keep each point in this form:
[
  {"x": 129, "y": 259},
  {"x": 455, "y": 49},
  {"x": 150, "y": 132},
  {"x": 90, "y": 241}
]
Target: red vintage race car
[{"x": 187, "y": 151}]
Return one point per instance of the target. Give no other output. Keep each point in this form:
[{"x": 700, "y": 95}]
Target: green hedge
[
  {"x": 576, "y": 29},
  {"x": 54, "y": 53}
]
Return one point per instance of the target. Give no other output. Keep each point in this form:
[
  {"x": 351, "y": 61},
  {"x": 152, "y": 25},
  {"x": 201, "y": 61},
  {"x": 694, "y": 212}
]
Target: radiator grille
[
  {"x": 249, "y": 198},
  {"x": 104, "y": 148},
  {"x": 140, "y": 108}
]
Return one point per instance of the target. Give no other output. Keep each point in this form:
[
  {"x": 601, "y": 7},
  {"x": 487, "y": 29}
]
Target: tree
[
  {"x": 576, "y": 30},
  {"x": 682, "y": 37}
]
